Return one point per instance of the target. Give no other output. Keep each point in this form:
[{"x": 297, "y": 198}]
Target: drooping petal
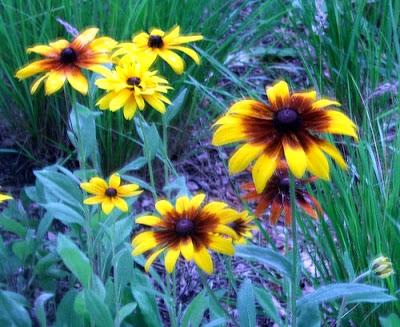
[
  {"x": 107, "y": 205},
  {"x": 120, "y": 99},
  {"x": 228, "y": 134},
  {"x": 295, "y": 156},
  {"x": 149, "y": 220},
  {"x": 323, "y": 103},
  {"x": 120, "y": 204},
  {"x": 174, "y": 60},
  {"x": 32, "y": 69},
  {"x": 187, "y": 249},
  {"x": 332, "y": 151},
  {"x": 146, "y": 244},
  {"x": 130, "y": 108},
  {"x": 151, "y": 259},
  {"x": 128, "y": 190},
  {"x": 243, "y": 157},
  {"x": 78, "y": 81},
  {"x": 339, "y": 123},
  {"x": 54, "y": 82},
  {"x": 263, "y": 170},
  {"x": 221, "y": 244},
  {"x": 155, "y": 103},
  {"x": 94, "y": 199},
  {"x": 142, "y": 237},
  {"x": 190, "y": 52},
  {"x": 170, "y": 259},
  {"x": 203, "y": 260},
  {"x": 316, "y": 161},
  {"x": 37, "y": 83}
]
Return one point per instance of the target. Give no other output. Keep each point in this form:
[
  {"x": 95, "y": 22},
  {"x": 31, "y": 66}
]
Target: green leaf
[
  {"x": 195, "y": 310},
  {"x": 133, "y": 165},
  {"x": 309, "y": 316},
  {"x": 12, "y": 226},
  {"x": 74, "y": 259},
  {"x": 265, "y": 300},
  {"x": 64, "y": 213},
  {"x": 140, "y": 288},
  {"x": 149, "y": 135},
  {"x": 12, "y": 312},
  {"x": 391, "y": 320},
  {"x": 40, "y": 309},
  {"x": 176, "y": 106},
  {"x": 23, "y": 248},
  {"x": 352, "y": 292},
  {"x": 66, "y": 316},
  {"x": 246, "y": 305},
  {"x": 265, "y": 256},
  {"x": 98, "y": 311},
  {"x": 126, "y": 310}
]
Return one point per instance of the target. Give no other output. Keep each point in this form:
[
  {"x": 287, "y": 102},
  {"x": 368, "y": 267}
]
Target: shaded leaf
[{"x": 246, "y": 305}]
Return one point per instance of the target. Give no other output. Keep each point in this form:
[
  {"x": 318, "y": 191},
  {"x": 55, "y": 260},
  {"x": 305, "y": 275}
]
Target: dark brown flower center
[
  {"x": 155, "y": 41},
  {"x": 68, "y": 56},
  {"x": 287, "y": 120},
  {"x": 133, "y": 81},
  {"x": 184, "y": 227},
  {"x": 284, "y": 183},
  {"x": 111, "y": 192}
]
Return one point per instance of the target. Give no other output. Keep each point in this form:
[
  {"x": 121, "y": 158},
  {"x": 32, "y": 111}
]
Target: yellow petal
[
  {"x": 128, "y": 190},
  {"x": 339, "y": 123},
  {"x": 203, "y": 259},
  {"x": 164, "y": 207},
  {"x": 226, "y": 230},
  {"x": 151, "y": 259},
  {"x": 214, "y": 207},
  {"x": 120, "y": 204},
  {"x": 107, "y": 205},
  {"x": 114, "y": 181},
  {"x": 145, "y": 245},
  {"x": 323, "y": 103},
  {"x": 155, "y": 103},
  {"x": 85, "y": 37},
  {"x": 142, "y": 237},
  {"x": 31, "y": 69},
  {"x": 197, "y": 200},
  {"x": 187, "y": 249},
  {"x": 149, "y": 220},
  {"x": 78, "y": 81},
  {"x": 5, "y": 197},
  {"x": 263, "y": 169},
  {"x": 54, "y": 82},
  {"x": 190, "y": 52},
  {"x": 278, "y": 94},
  {"x": 170, "y": 259},
  {"x": 243, "y": 157},
  {"x": 295, "y": 156},
  {"x": 227, "y": 134},
  {"x": 103, "y": 44},
  {"x": 316, "y": 162},
  {"x": 187, "y": 39},
  {"x": 332, "y": 151},
  {"x": 174, "y": 60},
  {"x": 59, "y": 44},
  {"x": 130, "y": 108},
  {"x": 221, "y": 245},
  {"x": 120, "y": 99},
  {"x": 43, "y": 50},
  {"x": 94, "y": 199},
  {"x": 310, "y": 95},
  {"x": 182, "y": 204},
  {"x": 37, "y": 83}
]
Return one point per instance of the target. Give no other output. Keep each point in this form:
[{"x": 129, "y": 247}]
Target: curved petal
[
  {"x": 78, "y": 81},
  {"x": 187, "y": 249},
  {"x": 107, "y": 205},
  {"x": 203, "y": 260},
  {"x": 54, "y": 82},
  {"x": 339, "y": 123},
  {"x": 43, "y": 50},
  {"x": 332, "y": 151},
  {"x": 228, "y": 134},
  {"x": 128, "y": 190},
  {"x": 32, "y": 69},
  {"x": 94, "y": 199},
  {"x": 37, "y": 83},
  {"x": 323, "y": 103},
  {"x": 278, "y": 94},
  {"x": 243, "y": 157},
  {"x": 155, "y": 103},
  {"x": 295, "y": 156},
  {"x": 182, "y": 204},
  {"x": 114, "y": 181},
  {"x": 221, "y": 245},
  {"x": 120, "y": 204},
  {"x": 190, "y": 52},
  {"x": 151, "y": 259},
  {"x": 119, "y": 99},
  {"x": 164, "y": 207},
  {"x": 197, "y": 200},
  {"x": 146, "y": 244},
  {"x": 84, "y": 38},
  {"x": 170, "y": 259},
  {"x": 174, "y": 60},
  {"x": 263, "y": 169},
  {"x": 149, "y": 221}
]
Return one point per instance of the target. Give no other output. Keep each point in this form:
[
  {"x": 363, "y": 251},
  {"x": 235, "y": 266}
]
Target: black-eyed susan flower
[
  {"x": 130, "y": 86},
  {"x": 243, "y": 227},
  {"x": 276, "y": 195},
  {"x": 382, "y": 267},
  {"x": 109, "y": 194},
  {"x": 190, "y": 229},
  {"x": 64, "y": 61},
  {"x": 164, "y": 44},
  {"x": 5, "y": 197},
  {"x": 287, "y": 128}
]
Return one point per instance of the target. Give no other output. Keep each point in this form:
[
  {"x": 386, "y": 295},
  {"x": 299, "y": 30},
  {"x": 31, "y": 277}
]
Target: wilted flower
[
  {"x": 382, "y": 267},
  {"x": 64, "y": 60},
  {"x": 159, "y": 43},
  {"x": 284, "y": 128},
  {"x": 188, "y": 228},
  {"x": 109, "y": 194}
]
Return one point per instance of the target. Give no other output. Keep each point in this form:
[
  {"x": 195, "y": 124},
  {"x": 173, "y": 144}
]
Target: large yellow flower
[
  {"x": 109, "y": 194},
  {"x": 189, "y": 229},
  {"x": 64, "y": 60},
  {"x": 130, "y": 85},
  {"x": 159, "y": 43},
  {"x": 287, "y": 128}
]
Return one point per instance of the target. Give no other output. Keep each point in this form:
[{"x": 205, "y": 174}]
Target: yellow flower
[
  {"x": 5, "y": 197},
  {"x": 284, "y": 128},
  {"x": 382, "y": 267},
  {"x": 159, "y": 43},
  {"x": 189, "y": 229},
  {"x": 64, "y": 60},
  {"x": 109, "y": 194},
  {"x": 130, "y": 86},
  {"x": 243, "y": 227}
]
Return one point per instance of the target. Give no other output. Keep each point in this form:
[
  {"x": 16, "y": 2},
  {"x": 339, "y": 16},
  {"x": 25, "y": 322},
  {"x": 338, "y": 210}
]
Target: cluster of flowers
[{"x": 280, "y": 137}]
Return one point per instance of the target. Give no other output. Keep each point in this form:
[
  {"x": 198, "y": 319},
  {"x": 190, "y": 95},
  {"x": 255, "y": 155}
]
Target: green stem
[
  {"x": 165, "y": 145},
  {"x": 116, "y": 291},
  {"x": 211, "y": 293},
  {"x": 344, "y": 302},
  {"x": 294, "y": 277}
]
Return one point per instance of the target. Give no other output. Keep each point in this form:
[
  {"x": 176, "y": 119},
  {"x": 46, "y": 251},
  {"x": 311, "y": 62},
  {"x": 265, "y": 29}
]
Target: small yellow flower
[
  {"x": 5, "y": 197},
  {"x": 188, "y": 228},
  {"x": 159, "y": 43},
  {"x": 109, "y": 194},
  {"x": 287, "y": 127},
  {"x": 243, "y": 228},
  {"x": 64, "y": 60},
  {"x": 382, "y": 267},
  {"x": 131, "y": 85}
]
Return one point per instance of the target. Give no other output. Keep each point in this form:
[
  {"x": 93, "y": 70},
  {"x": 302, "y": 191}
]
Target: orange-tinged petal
[
  {"x": 32, "y": 69},
  {"x": 78, "y": 81},
  {"x": 295, "y": 156},
  {"x": 323, "y": 103},
  {"x": 85, "y": 37},
  {"x": 54, "y": 82},
  {"x": 187, "y": 249}
]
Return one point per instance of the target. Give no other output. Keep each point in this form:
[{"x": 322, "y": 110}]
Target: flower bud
[{"x": 382, "y": 267}]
